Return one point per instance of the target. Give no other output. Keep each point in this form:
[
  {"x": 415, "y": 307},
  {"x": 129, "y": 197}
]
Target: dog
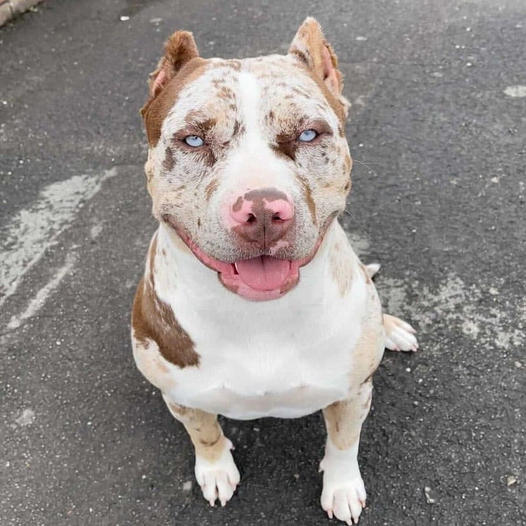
[{"x": 253, "y": 303}]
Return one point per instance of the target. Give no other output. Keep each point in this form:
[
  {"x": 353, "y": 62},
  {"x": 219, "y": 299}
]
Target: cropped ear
[
  {"x": 178, "y": 50},
  {"x": 310, "y": 47}
]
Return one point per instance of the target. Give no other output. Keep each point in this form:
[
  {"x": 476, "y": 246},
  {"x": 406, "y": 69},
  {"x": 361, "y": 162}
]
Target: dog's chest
[
  {"x": 268, "y": 378},
  {"x": 285, "y": 358},
  {"x": 297, "y": 367}
]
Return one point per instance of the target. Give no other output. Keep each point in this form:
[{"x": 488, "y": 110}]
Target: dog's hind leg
[
  {"x": 399, "y": 335},
  {"x": 215, "y": 470}
]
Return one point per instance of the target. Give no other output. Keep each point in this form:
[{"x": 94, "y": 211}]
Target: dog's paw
[
  {"x": 344, "y": 499},
  {"x": 399, "y": 335},
  {"x": 218, "y": 479},
  {"x": 343, "y": 495}
]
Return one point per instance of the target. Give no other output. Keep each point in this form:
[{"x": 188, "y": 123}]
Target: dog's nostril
[
  {"x": 251, "y": 218},
  {"x": 276, "y": 217}
]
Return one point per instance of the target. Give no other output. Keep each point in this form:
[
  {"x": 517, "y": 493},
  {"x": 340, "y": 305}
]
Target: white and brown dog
[{"x": 253, "y": 302}]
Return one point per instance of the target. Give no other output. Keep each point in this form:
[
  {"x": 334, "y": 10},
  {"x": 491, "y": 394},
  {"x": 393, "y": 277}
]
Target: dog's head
[{"x": 248, "y": 160}]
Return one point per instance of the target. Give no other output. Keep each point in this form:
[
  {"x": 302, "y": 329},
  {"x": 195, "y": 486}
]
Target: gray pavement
[{"x": 437, "y": 131}]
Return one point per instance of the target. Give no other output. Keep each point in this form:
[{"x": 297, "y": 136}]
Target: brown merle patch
[
  {"x": 169, "y": 161},
  {"x": 348, "y": 162},
  {"x": 307, "y": 193},
  {"x": 153, "y": 319},
  {"x": 303, "y": 58},
  {"x": 225, "y": 93},
  {"x": 286, "y": 146},
  {"x": 157, "y": 108},
  {"x": 234, "y": 64},
  {"x": 211, "y": 188}
]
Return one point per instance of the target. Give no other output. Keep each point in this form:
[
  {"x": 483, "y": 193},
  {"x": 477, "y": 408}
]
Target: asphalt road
[{"x": 438, "y": 133}]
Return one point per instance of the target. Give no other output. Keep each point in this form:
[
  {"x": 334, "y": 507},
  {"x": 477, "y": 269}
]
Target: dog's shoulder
[{"x": 153, "y": 320}]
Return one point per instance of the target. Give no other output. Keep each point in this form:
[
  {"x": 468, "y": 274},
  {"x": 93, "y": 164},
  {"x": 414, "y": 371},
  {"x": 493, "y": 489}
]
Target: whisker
[{"x": 366, "y": 165}]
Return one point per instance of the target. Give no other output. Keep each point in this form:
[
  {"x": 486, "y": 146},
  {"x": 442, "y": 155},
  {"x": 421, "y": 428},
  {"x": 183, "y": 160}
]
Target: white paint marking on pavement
[
  {"x": 26, "y": 418},
  {"x": 456, "y": 304},
  {"x": 95, "y": 231},
  {"x": 34, "y": 229},
  {"x": 515, "y": 91},
  {"x": 39, "y": 300}
]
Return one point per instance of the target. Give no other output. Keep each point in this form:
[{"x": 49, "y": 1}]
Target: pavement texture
[{"x": 437, "y": 131}]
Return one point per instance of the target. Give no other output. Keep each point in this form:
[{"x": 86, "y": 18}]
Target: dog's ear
[
  {"x": 178, "y": 50},
  {"x": 310, "y": 47}
]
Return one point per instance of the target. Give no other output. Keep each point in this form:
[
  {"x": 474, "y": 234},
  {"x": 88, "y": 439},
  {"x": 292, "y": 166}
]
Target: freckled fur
[
  {"x": 211, "y": 188},
  {"x": 341, "y": 267},
  {"x": 169, "y": 161},
  {"x": 203, "y": 429},
  {"x": 206, "y": 348}
]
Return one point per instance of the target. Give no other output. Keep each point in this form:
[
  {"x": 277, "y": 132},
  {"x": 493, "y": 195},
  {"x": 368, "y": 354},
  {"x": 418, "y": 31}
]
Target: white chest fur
[{"x": 284, "y": 358}]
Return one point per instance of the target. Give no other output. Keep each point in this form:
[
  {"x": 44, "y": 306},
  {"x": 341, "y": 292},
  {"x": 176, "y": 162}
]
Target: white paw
[
  {"x": 343, "y": 495},
  {"x": 218, "y": 479},
  {"x": 399, "y": 335},
  {"x": 344, "y": 499}
]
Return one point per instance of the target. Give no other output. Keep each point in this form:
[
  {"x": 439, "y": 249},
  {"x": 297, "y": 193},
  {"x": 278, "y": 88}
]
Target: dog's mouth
[
  {"x": 265, "y": 273},
  {"x": 259, "y": 278}
]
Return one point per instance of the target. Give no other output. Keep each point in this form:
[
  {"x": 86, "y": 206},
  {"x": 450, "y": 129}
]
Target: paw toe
[
  {"x": 400, "y": 336},
  {"x": 345, "y": 502}
]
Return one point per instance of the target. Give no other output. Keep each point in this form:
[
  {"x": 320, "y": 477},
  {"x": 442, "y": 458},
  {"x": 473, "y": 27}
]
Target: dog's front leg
[
  {"x": 215, "y": 470},
  {"x": 343, "y": 492}
]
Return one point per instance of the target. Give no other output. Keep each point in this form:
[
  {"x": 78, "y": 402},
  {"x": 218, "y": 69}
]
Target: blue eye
[
  {"x": 194, "y": 141},
  {"x": 308, "y": 135}
]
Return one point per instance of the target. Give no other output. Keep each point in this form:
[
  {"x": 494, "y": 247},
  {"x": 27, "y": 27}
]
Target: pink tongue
[{"x": 263, "y": 272}]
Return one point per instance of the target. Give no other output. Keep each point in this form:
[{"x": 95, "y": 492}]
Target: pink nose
[{"x": 263, "y": 216}]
